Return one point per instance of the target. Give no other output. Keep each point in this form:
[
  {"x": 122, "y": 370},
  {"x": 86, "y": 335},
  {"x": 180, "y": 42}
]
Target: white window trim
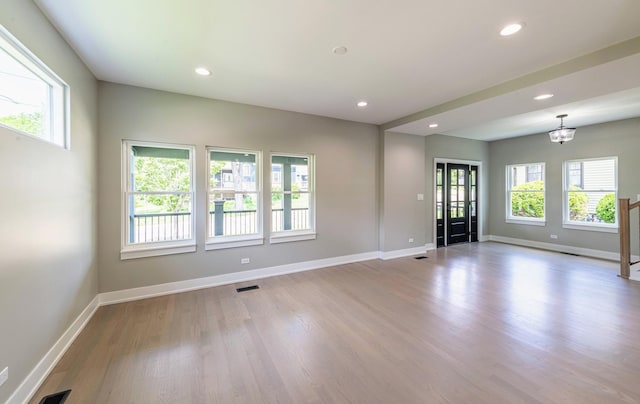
[
  {"x": 157, "y": 248},
  {"x": 285, "y": 236},
  {"x": 588, "y": 226},
  {"x": 222, "y": 242},
  {"x": 530, "y": 221},
  {"x": 60, "y": 104},
  {"x": 290, "y": 236},
  {"x": 234, "y": 242}
]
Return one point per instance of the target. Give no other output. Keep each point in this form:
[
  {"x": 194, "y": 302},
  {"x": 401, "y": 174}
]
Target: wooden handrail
[{"x": 624, "y": 207}]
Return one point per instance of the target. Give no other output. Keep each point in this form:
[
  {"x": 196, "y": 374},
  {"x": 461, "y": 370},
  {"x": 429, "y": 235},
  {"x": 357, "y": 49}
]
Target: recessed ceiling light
[
  {"x": 362, "y": 104},
  {"x": 203, "y": 71},
  {"x": 433, "y": 125},
  {"x": 511, "y": 29},
  {"x": 339, "y": 50},
  {"x": 542, "y": 97}
]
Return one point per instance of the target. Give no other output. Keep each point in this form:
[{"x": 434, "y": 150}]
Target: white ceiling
[{"x": 405, "y": 56}]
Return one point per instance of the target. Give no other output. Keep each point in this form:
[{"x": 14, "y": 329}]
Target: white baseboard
[
  {"x": 36, "y": 377},
  {"x": 387, "y": 255},
  {"x": 126, "y": 295},
  {"x": 587, "y": 252}
]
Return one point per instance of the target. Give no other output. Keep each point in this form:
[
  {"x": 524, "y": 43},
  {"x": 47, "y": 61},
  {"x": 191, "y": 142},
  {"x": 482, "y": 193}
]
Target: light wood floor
[{"x": 473, "y": 323}]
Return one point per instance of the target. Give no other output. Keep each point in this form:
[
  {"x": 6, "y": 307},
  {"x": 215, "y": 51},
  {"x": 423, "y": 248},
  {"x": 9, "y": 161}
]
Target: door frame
[{"x": 481, "y": 187}]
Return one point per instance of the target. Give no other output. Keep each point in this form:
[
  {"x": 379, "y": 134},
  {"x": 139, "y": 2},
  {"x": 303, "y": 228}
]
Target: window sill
[
  {"x": 290, "y": 237},
  {"x": 146, "y": 251},
  {"x": 527, "y": 222},
  {"x": 232, "y": 242},
  {"x": 591, "y": 227}
]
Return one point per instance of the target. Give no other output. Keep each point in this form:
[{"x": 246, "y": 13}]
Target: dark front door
[
  {"x": 456, "y": 190},
  {"x": 457, "y": 204},
  {"x": 440, "y": 203}
]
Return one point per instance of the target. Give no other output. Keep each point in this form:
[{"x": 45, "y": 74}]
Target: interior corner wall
[
  {"x": 455, "y": 148},
  {"x": 48, "y": 271},
  {"x": 346, "y": 180},
  {"x": 619, "y": 138},
  {"x": 403, "y": 179}
]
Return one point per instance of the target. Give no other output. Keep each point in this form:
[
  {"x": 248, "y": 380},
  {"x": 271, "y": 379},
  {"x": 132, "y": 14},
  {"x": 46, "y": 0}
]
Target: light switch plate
[{"x": 421, "y": 197}]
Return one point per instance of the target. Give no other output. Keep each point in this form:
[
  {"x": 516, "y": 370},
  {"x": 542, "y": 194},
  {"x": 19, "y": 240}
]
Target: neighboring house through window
[
  {"x": 591, "y": 194},
  {"x": 292, "y": 198},
  {"x": 234, "y": 217}
]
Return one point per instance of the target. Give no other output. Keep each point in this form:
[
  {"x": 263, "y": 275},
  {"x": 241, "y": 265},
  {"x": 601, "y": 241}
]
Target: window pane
[
  {"x": 230, "y": 218},
  {"x": 159, "y": 218},
  {"x": 531, "y": 174},
  {"x": 591, "y": 195},
  {"x": 592, "y": 206},
  {"x": 527, "y": 204},
  {"x": 232, "y": 172},
  {"x": 33, "y": 99},
  {"x": 291, "y": 197},
  {"x": 599, "y": 175},
  {"x": 24, "y": 98},
  {"x": 160, "y": 170}
]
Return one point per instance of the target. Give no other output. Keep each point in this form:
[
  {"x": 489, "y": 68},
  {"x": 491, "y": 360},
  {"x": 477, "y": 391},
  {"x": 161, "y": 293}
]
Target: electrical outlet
[
  {"x": 4, "y": 375},
  {"x": 411, "y": 240},
  {"x": 245, "y": 260},
  {"x": 421, "y": 197},
  {"x": 554, "y": 236}
]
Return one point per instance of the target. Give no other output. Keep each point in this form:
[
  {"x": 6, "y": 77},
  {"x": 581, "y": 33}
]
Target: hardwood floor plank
[{"x": 481, "y": 323}]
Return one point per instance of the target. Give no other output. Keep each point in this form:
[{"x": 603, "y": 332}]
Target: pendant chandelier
[{"x": 562, "y": 134}]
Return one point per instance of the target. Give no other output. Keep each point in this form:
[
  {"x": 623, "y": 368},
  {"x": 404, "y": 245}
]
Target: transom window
[
  {"x": 158, "y": 199},
  {"x": 234, "y": 216},
  {"x": 591, "y": 194},
  {"x": 525, "y": 193},
  {"x": 33, "y": 99}
]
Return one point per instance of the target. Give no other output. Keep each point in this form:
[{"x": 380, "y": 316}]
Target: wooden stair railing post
[{"x": 625, "y": 238}]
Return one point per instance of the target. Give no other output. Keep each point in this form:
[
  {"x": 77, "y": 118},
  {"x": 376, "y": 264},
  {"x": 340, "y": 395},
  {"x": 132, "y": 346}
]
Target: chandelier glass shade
[{"x": 562, "y": 134}]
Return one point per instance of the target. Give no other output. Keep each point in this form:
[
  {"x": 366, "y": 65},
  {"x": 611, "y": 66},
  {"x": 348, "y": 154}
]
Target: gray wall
[
  {"x": 346, "y": 179},
  {"x": 48, "y": 271},
  {"x": 403, "y": 215},
  {"x": 620, "y": 138},
  {"x": 454, "y": 148}
]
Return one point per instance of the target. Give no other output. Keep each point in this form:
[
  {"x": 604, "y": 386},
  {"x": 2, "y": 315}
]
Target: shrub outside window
[
  {"x": 525, "y": 193},
  {"x": 591, "y": 194},
  {"x": 234, "y": 217},
  {"x": 33, "y": 99},
  {"x": 158, "y": 199},
  {"x": 292, "y": 197}
]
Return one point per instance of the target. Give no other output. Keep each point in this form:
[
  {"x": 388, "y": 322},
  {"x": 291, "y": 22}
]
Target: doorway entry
[{"x": 456, "y": 199}]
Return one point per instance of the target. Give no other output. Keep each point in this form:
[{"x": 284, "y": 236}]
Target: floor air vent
[
  {"x": 568, "y": 253},
  {"x": 247, "y": 288},
  {"x": 57, "y": 398},
  {"x": 422, "y": 257}
]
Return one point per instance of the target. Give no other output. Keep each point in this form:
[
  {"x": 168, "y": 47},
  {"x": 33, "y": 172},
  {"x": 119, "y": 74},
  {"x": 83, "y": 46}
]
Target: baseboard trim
[
  {"x": 145, "y": 292},
  {"x": 587, "y": 252},
  {"x": 39, "y": 373},
  {"x": 407, "y": 252}
]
